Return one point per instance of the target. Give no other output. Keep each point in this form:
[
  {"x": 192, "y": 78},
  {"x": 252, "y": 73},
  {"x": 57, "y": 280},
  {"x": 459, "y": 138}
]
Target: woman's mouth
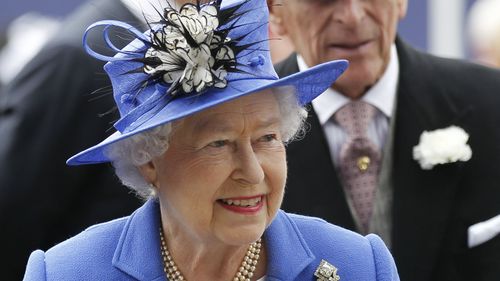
[{"x": 243, "y": 204}]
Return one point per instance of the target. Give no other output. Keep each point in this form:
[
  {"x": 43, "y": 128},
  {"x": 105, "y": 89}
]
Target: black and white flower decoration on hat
[
  {"x": 186, "y": 53},
  {"x": 190, "y": 51}
]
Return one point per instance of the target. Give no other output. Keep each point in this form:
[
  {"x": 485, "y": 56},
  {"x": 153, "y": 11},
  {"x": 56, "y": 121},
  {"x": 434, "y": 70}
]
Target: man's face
[{"x": 361, "y": 31}]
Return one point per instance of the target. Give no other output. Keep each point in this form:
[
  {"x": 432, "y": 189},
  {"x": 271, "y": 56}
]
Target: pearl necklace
[{"x": 245, "y": 272}]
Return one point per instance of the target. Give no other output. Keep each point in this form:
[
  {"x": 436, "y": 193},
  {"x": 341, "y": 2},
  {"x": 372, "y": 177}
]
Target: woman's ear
[{"x": 148, "y": 172}]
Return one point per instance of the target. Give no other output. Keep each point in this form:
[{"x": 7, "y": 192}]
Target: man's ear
[
  {"x": 276, "y": 21},
  {"x": 403, "y": 8},
  {"x": 148, "y": 171}
]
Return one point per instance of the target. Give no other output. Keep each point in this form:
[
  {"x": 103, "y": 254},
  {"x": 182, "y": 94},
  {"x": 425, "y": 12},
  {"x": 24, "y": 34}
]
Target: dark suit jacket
[
  {"x": 46, "y": 116},
  {"x": 432, "y": 209}
]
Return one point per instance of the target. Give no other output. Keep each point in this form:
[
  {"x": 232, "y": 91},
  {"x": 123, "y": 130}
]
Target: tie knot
[{"x": 355, "y": 117}]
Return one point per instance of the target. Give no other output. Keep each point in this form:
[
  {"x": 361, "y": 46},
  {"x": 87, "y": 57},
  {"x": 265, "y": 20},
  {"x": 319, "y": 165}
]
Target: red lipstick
[{"x": 229, "y": 204}]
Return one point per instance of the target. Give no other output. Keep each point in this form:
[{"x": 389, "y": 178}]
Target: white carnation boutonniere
[{"x": 442, "y": 146}]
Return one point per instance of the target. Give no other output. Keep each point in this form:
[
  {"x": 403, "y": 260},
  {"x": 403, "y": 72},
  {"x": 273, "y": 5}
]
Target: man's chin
[{"x": 355, "y": 84}]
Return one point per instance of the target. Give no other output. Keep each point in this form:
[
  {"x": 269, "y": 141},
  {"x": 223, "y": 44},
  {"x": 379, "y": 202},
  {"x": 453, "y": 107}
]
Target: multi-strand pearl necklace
[{"x": 245, "y": 272}]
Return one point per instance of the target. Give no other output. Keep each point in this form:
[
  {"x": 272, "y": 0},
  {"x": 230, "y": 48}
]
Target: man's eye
[
  {"x": 316, "y": 2},
  {"x": 219, "y": 143}
]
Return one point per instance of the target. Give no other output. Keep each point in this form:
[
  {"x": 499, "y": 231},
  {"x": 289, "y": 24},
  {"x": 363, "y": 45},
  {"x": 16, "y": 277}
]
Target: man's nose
[{"x": 348, "y": 12}]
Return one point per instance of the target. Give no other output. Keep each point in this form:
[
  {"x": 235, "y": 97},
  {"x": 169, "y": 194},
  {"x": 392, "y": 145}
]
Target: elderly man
[{"x": 405, "y": 144}]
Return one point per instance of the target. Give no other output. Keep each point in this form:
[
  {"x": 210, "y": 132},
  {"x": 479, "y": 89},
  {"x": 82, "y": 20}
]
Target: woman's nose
[{"x": 248, "y": 169}]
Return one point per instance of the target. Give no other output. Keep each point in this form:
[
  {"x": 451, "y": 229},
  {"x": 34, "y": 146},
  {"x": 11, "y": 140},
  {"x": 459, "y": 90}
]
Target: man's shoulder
[
  {"x": 453, "y": 83},
  {"x": 459, "y": 72}
]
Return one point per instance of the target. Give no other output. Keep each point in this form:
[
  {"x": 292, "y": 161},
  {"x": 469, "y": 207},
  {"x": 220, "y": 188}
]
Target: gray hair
[{"x": 128, "y": 154}]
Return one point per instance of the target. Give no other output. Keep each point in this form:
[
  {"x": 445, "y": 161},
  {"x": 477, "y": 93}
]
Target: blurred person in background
[
  {"x": 281, "y": 46},
  {"x": 404, "y": 144},
  {"x": 3, "y": 39},
  {"x": 483, "y": 30},
  {"x": 3, "y": 42},
  {"x": 48, "y": 113},
  {"x": 18, "y": 50}
]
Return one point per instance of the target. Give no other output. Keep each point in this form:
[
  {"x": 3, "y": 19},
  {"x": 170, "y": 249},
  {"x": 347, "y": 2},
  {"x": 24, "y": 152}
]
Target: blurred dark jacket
[{"x": 47, "y": 114}]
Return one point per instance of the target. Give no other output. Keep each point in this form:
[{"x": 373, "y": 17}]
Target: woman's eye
[
  {"x": 218, "y": 143},
  {"x": 269, "y": 138}
]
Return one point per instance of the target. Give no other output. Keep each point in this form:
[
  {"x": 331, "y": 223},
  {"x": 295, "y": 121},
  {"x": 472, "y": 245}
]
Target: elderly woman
[{"x": 204, "y": 120}]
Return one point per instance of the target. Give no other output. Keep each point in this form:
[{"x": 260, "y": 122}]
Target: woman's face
[{"x": 223, "y": 175}]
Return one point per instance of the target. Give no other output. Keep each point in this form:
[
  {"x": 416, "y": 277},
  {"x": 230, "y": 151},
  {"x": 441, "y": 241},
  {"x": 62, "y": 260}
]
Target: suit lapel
[
  {"x": 312, "y": 178},
  {"x": 422, "y": 198}
]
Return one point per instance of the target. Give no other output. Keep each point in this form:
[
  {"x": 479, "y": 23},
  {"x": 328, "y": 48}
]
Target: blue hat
[{"x": 194, "y": 58}]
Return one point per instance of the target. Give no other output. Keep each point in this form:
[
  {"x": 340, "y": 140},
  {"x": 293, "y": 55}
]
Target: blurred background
[
  {"x": 434, "y": 25},
  {"x": 441, "y": 27}
]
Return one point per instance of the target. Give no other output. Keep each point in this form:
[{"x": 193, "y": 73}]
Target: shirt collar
[{"x": 381, "y": 95}]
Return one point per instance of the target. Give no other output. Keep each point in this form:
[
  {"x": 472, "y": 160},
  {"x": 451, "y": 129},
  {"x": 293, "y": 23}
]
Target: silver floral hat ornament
[{"x": 191, "y": 59}]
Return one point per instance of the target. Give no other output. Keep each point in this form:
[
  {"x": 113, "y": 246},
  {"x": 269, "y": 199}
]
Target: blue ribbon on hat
[
  {"x": 144, "y": 111},
  {"x": 107, "y": 25}
]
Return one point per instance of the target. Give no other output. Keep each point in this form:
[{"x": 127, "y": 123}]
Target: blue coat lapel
[
  {"x": 287, "y": 252},
  {"x": 139, "y": 256},
  {"x": 136, "y": 253}
]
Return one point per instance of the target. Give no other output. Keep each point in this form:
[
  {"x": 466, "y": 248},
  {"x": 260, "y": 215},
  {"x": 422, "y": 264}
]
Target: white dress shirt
[{"x": 381, "y": 96}]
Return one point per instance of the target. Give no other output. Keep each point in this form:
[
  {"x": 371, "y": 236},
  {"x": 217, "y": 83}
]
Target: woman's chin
[{"x": 241, "y": 236}]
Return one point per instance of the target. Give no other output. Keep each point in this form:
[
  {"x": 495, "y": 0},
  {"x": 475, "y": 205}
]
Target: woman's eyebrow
[
  {"x": 268, "y": 122},
  {"x": 213, "y": 125},
  {"x": 222, "y": 125}
]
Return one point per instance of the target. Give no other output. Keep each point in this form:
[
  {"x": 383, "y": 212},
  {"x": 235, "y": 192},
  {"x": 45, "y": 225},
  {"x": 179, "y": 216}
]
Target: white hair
[{"x": 139, "y": 149}]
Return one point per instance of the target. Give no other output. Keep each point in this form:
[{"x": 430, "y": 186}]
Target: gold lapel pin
[
  {"x": 326, "y": 272},
  {"x": 363, "y": 163}
]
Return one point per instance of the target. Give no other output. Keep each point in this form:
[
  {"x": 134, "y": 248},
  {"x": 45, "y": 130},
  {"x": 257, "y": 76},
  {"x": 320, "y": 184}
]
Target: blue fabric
[
  {"x": 129, "y": 249},
  {"x": 143, "y": 106}
]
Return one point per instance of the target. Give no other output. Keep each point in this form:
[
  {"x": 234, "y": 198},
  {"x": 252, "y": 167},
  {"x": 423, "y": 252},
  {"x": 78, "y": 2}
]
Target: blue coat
[{"x": 129, "y": 249}]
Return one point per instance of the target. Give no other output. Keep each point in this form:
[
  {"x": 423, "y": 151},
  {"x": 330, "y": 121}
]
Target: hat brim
[{"x": 308, "y": 85}]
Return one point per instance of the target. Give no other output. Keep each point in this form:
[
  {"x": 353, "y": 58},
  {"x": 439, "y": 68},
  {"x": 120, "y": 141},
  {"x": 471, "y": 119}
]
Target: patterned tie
[{"x": 359, "y": 159}]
